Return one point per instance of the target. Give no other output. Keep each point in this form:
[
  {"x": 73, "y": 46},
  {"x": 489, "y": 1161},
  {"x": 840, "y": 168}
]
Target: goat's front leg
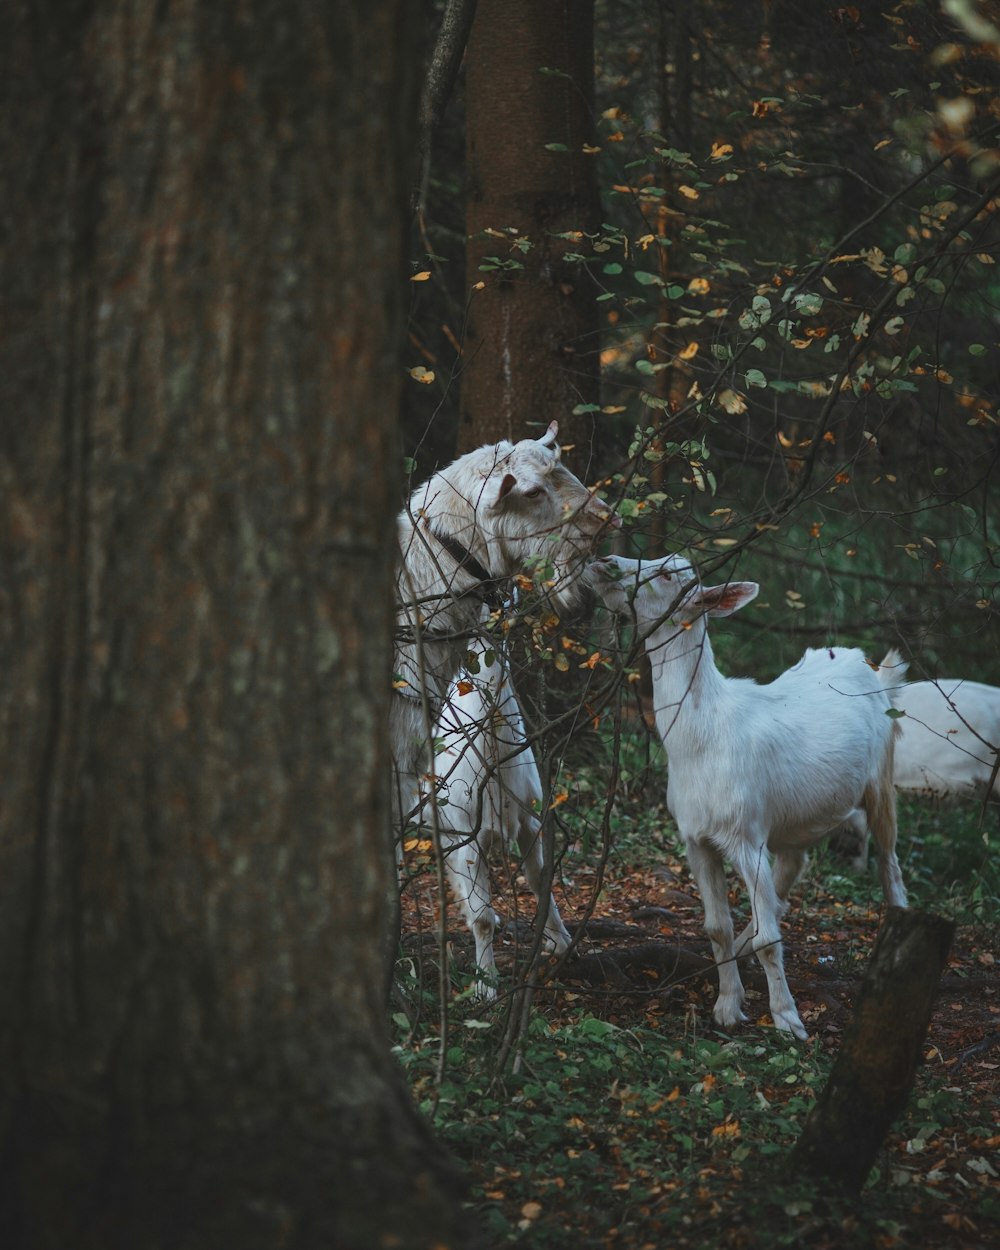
[
  {"x": 469, "y": 875},
  {"x": 788, "y": 866},
  {"x": 709, "y": 874},
  {"x": 534, "y": 871},
  {"x": 750, "y": 859}
]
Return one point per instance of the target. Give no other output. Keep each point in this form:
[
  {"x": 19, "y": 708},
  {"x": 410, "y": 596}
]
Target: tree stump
[{"x": 875, "y": 1069}]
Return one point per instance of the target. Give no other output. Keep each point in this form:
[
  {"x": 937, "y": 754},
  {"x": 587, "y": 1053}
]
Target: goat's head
[
  {"x": 665, "y": 590},
  {"x": 542, "y": 512}
]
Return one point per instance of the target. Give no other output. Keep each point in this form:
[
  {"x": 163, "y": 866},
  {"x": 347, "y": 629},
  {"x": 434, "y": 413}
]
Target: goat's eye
[{"x": 533, "y": 493}]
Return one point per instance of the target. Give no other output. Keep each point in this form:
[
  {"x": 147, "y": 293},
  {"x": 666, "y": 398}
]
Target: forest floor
[{"x": 623, "y": 1117}]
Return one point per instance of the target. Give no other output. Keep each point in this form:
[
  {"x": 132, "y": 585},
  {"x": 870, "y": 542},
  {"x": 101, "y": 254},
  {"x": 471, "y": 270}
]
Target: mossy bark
[{"x": 199, "y": 295}]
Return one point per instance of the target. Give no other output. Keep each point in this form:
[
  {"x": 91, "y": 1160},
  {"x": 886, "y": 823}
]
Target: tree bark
[
  {"x": 199, "y": 317},
  {"x": 531, "y": 352},
  {"x": 875, "y": 1069}
]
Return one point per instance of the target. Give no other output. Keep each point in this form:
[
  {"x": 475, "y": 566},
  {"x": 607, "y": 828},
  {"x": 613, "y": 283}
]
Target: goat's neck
[{"x": 687, "y": 685}]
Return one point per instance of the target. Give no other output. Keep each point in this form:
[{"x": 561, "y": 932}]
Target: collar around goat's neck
[{"x": 489, "y": 588}]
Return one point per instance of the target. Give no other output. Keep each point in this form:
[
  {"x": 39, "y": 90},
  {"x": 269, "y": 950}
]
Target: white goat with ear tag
[
  {"x": 499, "y": 510},
  {"x": 756, "y": 769}
]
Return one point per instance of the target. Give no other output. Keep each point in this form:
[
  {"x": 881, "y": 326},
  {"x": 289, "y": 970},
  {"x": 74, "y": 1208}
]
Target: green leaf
[
  {"x": 894, "y": 712},
  {"x": 645, "y": 278},
  {"x": 645, "y": 366},
  {"x": 612, "y": 268},
  {"x": 553, "y": 147},
  {"x": 754, "y": 377},
  {"x": 757, "y": 315},
  {"x": 808, "y": 303},
  {"x": 674, "y": 291},
  {"x": 976, "y": 349},
  {"x": 580, "y": 409}
]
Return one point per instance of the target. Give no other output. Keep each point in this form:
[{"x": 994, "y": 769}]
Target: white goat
[
  {"x": 947, "y": 746},
  {"x": 949, "y": 738},
  {"x": 755, "y": 768},
  {"x": 503, "y": 509},
  {"x": 486, "y": 769}
]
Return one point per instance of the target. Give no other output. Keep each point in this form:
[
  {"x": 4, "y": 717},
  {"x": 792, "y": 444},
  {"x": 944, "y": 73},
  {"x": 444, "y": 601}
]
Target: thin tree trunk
[
  {"x": 531, "y": 353},
  {"x": 198, "y": 380},
  {"x": 874, "y": 1072}
]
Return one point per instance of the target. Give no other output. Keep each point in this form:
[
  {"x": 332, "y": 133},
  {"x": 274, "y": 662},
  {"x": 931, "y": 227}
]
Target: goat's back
[{"x": 793, "y": 756}]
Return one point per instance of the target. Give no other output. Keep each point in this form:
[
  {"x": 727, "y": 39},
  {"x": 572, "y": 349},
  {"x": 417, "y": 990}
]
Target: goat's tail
[{"x": 892, "y": 670}]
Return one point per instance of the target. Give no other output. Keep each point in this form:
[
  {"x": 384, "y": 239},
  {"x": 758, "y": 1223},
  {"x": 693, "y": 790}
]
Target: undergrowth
[{"x": 633, "y": 1122}]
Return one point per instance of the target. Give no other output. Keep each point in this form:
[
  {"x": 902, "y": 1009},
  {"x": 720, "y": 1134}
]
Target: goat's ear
[
  {"x": 506, "y": 486},
  {"x": 727, "y": 599}
]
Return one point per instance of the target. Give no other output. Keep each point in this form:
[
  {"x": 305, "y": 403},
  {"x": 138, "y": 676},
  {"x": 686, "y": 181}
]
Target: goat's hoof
[
  {"x": 789, "y": 1022},
  {"x": 728, "y": 1016}
]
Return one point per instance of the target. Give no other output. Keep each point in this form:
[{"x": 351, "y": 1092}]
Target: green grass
[{"x": 631, "y": 1136}]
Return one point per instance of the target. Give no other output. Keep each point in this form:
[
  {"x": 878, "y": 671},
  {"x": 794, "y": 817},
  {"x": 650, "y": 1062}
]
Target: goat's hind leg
[
  {"x": 709, "y": 873},
  {"x": 469, "y": 874},
  {"x": 879, "y": 804}
]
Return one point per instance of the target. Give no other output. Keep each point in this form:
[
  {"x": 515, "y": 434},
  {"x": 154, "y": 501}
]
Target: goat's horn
[{"x": 549, "y": 437}]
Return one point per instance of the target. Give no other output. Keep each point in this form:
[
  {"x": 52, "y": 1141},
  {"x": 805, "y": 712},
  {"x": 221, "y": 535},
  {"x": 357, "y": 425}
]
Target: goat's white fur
[
  {"x": 486, "y": 769},
  {"x": 753, "y": 769},
  {"x": 947, "y": 746},
  {"x": 515, "y": 508}
]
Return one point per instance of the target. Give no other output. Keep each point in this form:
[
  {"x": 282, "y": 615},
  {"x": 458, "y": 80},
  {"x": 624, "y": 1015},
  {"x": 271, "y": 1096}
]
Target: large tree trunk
[
  {"x": 198, "y": 387},
  {"x": 531, "y": 353}
]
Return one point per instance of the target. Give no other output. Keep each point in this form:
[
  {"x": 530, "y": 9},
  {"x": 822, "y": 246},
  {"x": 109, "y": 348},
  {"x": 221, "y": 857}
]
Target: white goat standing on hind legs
[
  {"x": 503, "y": 509},
  {"x": 486, "y": 769},
  {"x": 753, "y": 769}
]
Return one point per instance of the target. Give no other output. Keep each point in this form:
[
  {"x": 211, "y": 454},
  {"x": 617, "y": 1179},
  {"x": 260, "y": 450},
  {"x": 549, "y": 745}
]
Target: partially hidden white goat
[
  {"x": 486, "y": 770},
  {"x": 503, "y": 509},
  {"x": 949, "y": 738},
  {"x": 947, "y": 746},
  {"x": 753, "y": 769}
]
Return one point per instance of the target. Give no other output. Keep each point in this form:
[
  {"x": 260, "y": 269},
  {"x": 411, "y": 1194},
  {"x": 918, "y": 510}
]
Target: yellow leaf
[
  {"x": 689, "y": 193},
  {"x": 531, "y": 1210},
  {"x": 560, "y": 796},
  {"x": 731, "y": 401},
  {"x": 590, "y": 149},
  {"x": 561, "y": 663},
  {"x": 689, "y": 351},
  {"x": 730, "y": 1129},
  {"x": 464, "y": 687},
  {"x": 943, "y": 375},
  {"x": 422, "y": 276},
  {"x": 645, "y": 241},
  {"x": 881, "y": 144},
  {"x": 420, "y": 374},
  {"x": 801, "y": 343},
  {"x": 699, "y": 286},
  {"x": 719, "y": 150}
]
